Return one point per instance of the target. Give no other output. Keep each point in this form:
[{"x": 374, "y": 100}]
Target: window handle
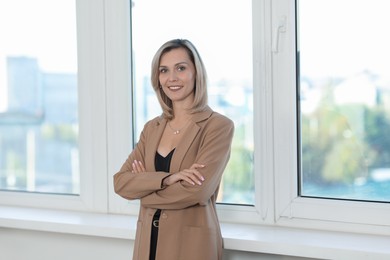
[{"x": 278, "y": 29}]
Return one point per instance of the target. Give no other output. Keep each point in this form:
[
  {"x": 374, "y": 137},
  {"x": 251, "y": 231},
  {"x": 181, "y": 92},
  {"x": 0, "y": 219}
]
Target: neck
[
  {"x": 180, "y": 112},
  {"x": 180, "y": 117},
  {"x": 179, "y": 122}
]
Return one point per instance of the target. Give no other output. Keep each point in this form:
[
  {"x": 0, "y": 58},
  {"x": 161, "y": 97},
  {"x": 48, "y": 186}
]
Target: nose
[{"x": 172, "y": 76}]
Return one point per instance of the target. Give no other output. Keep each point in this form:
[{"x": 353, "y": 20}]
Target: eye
[
  {"x": 181, "y": 68},
  {"x": 163, "y": 70}
]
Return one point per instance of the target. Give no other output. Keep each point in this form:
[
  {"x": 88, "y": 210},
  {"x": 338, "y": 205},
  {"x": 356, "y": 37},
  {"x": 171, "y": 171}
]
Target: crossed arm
[
  {"x": 191, "y": 175},
  {"x": 190, "y": 186}
]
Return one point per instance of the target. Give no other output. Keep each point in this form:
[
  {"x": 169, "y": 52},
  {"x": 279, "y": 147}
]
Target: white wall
[{"x": 18, "y": 244}]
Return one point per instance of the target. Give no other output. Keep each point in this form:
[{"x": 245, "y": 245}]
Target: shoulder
[
  {"x": 219, "y": 125},
  {"x": 217, "y": 128},
  {"x": 219, "y": 119},
  {"x": 210, "y": 119},
  {"x": 153, "y": 123}
]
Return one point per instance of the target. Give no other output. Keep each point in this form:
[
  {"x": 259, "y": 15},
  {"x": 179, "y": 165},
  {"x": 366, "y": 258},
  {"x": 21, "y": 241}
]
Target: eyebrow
[{"x": 177, "y": 64}]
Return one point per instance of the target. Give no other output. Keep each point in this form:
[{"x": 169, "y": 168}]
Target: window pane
[
  {"x": 222, "y": 32},
  {"x": 344, "y": 99},
  {"x": 38, "y": 96}
]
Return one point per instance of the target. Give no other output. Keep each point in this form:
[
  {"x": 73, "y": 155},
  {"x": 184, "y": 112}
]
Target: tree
[{"x": 377, "y": 135}]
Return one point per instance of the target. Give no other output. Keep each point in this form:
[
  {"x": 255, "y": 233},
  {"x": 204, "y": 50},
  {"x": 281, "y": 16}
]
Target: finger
[
  {"x": 181, "y": 176},
  {"x": 188, "y": 179},
  {"x": 136, "y": 167},
  {"x": 184, "y": 176},
  {"x": 141, "y": 166},
  {"x": 198, "y": 175},
  {"x": 197, "y": 165},
  {"x": 194, "y": 175}
]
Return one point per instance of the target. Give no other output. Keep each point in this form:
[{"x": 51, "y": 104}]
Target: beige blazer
[{"x": 189, "y": 227}]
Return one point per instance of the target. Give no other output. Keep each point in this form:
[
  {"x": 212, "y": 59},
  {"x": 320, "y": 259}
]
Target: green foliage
[
  {"x": 339, "y": 143},
  {"x": 239, "y": 172},
  {"x": 64, "y": 133},
  {"x": 377, "y": 129},
  {"x": 15, "y": 168},
  {"x": 344, "y": 162}
]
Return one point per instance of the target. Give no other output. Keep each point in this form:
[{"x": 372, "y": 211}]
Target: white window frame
[
  {"x": 290, "y": 209},
  {"x": 275, "y": 159},
  {"x": 92, "y": 120},
  {"x": 104, "y": 58},
  {"x": 262, "y": 211},
  {"x": 119, "y": 97}
]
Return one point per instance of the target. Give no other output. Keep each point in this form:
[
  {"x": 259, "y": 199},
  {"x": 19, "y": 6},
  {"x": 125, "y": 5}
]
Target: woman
[{"x": 176, "y": 167}]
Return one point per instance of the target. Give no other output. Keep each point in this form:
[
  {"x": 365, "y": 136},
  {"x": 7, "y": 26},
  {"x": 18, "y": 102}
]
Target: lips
[{"x": 175, "y": 87}]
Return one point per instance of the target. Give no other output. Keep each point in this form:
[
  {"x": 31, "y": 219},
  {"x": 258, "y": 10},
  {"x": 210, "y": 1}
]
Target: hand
[
  {"x": 138, "y": 167},
  {"x": 190, "y": 175}
]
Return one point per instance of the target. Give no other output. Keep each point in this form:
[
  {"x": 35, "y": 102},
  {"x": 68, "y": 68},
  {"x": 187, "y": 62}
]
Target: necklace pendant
[{"x": 176, "y": 132}]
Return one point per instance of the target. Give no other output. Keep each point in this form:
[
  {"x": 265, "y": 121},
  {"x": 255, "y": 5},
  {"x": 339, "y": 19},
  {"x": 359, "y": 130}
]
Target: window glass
[
  {"x": 38, "y": 97},
  {"x": 222, "y": 33},
  {"x": 344, "y": 99}
]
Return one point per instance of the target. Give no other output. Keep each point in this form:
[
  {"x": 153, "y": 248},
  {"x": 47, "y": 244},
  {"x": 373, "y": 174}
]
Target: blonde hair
[{"x": 200, "y": 88}]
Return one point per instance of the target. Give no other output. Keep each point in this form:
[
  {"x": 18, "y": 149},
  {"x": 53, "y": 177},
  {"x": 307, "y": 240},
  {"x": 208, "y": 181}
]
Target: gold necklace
[{"x": 176, "y": 131}]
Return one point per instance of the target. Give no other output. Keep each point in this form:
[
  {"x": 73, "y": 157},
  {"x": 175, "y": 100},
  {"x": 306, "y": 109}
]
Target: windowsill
[{"x": 240, "y": 237}]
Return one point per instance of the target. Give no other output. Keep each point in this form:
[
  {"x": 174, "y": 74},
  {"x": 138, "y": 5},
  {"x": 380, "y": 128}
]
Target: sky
[
  {"x": 337, "y": 37},
  {"x": 41, "y": 28},
  {"x": 220, "y": 29},
  {"x": 44, "y": 29},
  {"x": 344, "y": 37}
]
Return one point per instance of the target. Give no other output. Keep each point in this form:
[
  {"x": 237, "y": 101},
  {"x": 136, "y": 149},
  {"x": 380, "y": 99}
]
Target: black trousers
[{"x": 154, "y": 235}]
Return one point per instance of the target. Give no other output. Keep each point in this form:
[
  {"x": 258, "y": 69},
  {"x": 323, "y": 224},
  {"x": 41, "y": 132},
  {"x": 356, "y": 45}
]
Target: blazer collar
[
  {"x": 186, "y": 141},
  {"x": 200, "y": 116},
  {"x": 195, "y": 118}
]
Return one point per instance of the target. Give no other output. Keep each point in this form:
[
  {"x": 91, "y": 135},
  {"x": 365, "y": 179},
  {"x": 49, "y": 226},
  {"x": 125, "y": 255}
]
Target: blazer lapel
[
  {"x": 183, "y": 147},
  {"x": 153, "y": 142},
  {"x": 186, "y": 141}
]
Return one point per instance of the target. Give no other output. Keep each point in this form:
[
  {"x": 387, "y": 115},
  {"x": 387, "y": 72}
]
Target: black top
[{"x": 162, "y": 164}]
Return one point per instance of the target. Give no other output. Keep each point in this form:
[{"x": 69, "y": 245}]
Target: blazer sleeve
[
  {"x": 136, "y": 185},
  {"x": 214, "y": 153}
]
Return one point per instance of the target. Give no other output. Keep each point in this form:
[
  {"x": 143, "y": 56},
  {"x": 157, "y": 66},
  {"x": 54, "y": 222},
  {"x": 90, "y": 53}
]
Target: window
[
  {"x": 225, "y": 44},
  {"x": 58, "y": 143},
  {"x": 276, "y": 197},
  {"x": 344, "y": 99},
  {"x": 311, "y": 55},
  {"x": 105, "y": 114},
  {"x": 39, "y": 149}
]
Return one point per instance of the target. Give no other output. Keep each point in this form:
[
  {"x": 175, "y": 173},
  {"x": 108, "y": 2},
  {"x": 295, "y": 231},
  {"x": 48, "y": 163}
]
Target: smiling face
[{"x": 177, "y": 76}]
